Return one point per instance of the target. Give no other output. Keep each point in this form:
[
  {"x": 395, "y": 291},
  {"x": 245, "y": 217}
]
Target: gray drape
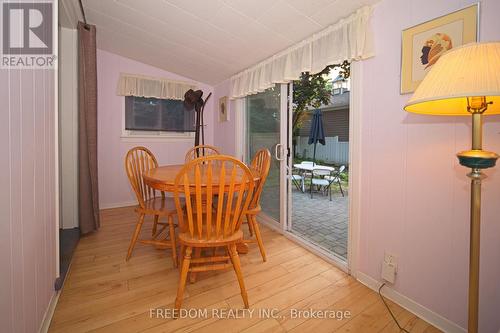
[{"x": 88, "y": 201}]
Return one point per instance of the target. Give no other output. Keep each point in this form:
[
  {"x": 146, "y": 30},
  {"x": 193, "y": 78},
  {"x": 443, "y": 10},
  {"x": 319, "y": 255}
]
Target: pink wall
[
  {"x": 415, "y": 196},
  {"x": 114, "y": 188},
  {"x": 225, "y": 132},
  {"x": 414, "y": 193},
  {"x": 27, "y": 198}
]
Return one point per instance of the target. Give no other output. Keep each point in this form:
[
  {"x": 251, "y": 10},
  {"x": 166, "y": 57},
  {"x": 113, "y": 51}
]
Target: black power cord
[{"x": 401, "y": 329}]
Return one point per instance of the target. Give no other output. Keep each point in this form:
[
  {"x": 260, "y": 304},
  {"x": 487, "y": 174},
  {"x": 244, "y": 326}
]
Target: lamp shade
[{"x": 471, "y": 70}]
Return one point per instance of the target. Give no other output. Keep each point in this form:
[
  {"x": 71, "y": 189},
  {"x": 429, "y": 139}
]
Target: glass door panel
[
  {"x": 263, "y": 128},
  {"x": 318, "y": 199}
]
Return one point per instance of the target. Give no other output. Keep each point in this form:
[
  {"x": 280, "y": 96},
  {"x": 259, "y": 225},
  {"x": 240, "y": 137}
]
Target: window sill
[{"x": 126, "y": 137}]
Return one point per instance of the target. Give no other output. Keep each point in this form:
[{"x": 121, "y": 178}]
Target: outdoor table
[{"x": 310, "y": 167}]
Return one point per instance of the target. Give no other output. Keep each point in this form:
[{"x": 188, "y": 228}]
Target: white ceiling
[{"x": 205, "y": 40}]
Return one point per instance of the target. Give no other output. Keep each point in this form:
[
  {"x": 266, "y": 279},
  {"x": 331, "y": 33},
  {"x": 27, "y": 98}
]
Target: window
[{"x": 159, "y": 115}]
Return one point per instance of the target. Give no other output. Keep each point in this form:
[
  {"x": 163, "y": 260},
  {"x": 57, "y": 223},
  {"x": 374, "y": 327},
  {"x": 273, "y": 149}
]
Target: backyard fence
[{"x": 333, "y": 151}]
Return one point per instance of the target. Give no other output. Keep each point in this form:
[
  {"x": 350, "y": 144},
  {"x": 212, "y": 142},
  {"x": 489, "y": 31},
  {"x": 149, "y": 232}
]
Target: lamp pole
[
  {"x": 468, "y": 75},
  {"x": 476, "y": 159},
  {"x": 475, "y": 229}
]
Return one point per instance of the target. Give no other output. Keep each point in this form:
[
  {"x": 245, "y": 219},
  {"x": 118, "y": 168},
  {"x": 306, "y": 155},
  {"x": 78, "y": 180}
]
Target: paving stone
[{"x": 322, "y": 221}]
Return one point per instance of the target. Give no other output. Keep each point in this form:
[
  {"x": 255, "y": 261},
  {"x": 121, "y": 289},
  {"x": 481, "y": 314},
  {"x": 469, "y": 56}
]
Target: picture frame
[
  {"x": 423, "y": 44},
  {"x": 223, "y": 109}
]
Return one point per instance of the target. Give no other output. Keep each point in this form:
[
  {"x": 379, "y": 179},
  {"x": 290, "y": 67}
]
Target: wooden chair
[
  {"x": 260, "y": 162},
  {"x": 199, "y": 182},
  {"x": 200, "y": 151},
  {"x": 138, "y": 160}
]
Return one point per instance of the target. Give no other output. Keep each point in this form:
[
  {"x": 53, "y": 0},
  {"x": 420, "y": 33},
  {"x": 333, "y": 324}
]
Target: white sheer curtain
[
  {"x": 145, "y": 86},
  {"x": 349, "y": 39}
]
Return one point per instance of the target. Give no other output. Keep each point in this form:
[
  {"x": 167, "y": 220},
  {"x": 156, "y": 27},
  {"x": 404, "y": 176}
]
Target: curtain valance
[
  {"x": 349, "y": 39},
  {"x": 144, "y": 86}
]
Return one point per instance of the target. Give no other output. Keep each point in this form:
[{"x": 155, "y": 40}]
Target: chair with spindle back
[
  {"x": 137, "y": 161},
  {"x": 200, "y": 151},
  {"x": 225, "y": 184},
  {"x": 193, "y": 153},
  {"x": 260, "y": 162}
]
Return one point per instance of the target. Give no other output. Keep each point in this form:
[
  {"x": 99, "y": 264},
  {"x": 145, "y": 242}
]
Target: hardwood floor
[{"x": 103, "y": 293}]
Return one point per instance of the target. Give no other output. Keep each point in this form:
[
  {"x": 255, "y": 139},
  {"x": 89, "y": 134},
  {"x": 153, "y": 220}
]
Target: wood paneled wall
[{"x": 27, "y": 198}]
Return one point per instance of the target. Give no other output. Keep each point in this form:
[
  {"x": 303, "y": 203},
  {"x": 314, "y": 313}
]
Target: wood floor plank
[
  {"x": 145, "y": 322},
  {"x": 280, "y": 300},
  {"x": 321, "y": 300},
  {"x": 404, "y": 318},
  {"x": 355, "y": 303},
  {"x": 104, "y": 293},
  {"x": 282, "y": 283},
  {"x": 372, "y": 319},
  {"x": 265, "y": 326},
  {"x": 417, "y": 325}
]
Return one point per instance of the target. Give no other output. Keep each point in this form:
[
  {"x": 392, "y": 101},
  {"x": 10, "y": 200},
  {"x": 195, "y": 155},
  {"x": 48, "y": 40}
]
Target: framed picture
[
  {"x": 423, "y": 44},
  {"x": 223, "y": 109}
]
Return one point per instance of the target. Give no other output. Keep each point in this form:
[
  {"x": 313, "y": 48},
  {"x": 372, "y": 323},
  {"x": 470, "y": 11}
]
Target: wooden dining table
[{"x": 163, "y": 179}]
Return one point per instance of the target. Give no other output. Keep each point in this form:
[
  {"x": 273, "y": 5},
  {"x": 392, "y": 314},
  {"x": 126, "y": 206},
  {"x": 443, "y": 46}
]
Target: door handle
[{"x": 276, "y": 149}]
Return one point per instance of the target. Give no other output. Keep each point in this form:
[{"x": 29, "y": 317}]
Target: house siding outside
[
  {"x": 335, "y": 118},
  {"x": 335, "y": 123}
]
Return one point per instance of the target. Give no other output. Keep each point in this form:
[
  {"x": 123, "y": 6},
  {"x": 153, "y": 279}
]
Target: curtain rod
[{"x": 83, "y": 13}]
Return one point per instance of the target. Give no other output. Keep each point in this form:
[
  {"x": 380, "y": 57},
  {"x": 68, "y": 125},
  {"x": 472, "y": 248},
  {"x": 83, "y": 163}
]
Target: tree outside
[{"x": 313, "y": 91}]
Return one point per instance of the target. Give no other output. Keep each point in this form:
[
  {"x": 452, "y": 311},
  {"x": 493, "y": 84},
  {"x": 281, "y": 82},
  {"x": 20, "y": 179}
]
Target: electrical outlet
[
  {"x": 389, "y": 268},
  {"x": 390, "y": 258}
]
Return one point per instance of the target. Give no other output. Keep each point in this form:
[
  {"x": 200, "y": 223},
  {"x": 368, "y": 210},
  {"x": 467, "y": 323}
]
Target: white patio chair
[
  {"x": 318, "y": 179},
  {"x": 336, "y": 178},
  {"x": 328, "y": 177},
  {"x": 298, "y": 181}
]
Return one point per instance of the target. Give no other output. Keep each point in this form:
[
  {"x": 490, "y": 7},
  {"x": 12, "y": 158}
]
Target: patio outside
[
  {"x": 321, "y": 221},
  {"x": 317, "y": 220}
]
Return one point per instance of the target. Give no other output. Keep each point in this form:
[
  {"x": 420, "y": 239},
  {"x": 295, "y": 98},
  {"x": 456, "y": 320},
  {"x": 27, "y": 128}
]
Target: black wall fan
[{"x": 194, "y": 100}]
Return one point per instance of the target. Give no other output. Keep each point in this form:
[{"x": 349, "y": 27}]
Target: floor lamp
[{"x": 466, "y": 81}]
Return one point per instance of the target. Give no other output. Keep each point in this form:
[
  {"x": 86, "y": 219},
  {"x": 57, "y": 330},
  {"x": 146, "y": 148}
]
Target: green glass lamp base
[{"x": 477, "y": 159}]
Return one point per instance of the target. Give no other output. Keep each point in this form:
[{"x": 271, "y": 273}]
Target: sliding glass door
[
  {"x": 318, "y": 195},
  {"x": 265, "y": 128},
  {"x": 305, "y": 195}
]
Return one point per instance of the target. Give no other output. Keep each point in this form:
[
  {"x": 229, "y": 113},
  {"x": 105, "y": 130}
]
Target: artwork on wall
[
  {"x": 423, "y": 44},
  {"x": 223, "y": 109}
]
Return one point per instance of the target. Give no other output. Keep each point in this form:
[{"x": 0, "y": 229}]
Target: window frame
[{"x": 138, "y": 135}]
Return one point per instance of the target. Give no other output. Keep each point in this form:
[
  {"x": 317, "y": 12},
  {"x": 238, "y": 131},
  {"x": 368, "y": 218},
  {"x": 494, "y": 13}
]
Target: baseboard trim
[
  {"x": 270, "y": 224},
  {"x": 47, "y": 317},
  {"x": 421, "y": 311},
  {"x": 118, "y": 205}
]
